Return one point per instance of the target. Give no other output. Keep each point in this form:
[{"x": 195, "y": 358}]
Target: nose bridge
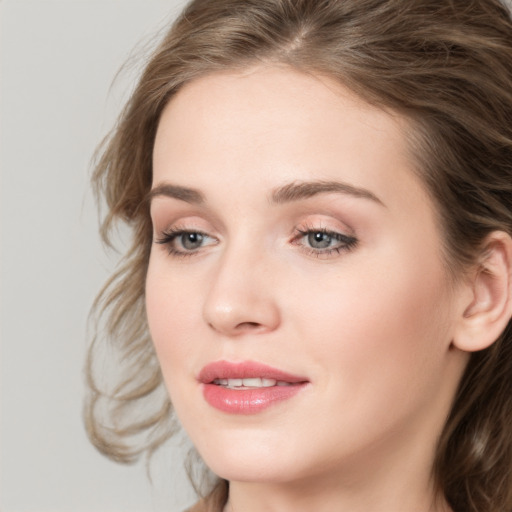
[{"x": 240, "y": 297}]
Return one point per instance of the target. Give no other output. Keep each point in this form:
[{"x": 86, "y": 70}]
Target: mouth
[
  {"x": 246, "y": 373},
  {"x": 250, "y": 383},
  {"x": 248, "y": 387}
]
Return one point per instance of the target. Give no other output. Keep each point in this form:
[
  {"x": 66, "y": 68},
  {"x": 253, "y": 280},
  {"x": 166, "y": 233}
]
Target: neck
[
  {"x": 327, "y": 495},
  {"x": 394, "y": 478}
]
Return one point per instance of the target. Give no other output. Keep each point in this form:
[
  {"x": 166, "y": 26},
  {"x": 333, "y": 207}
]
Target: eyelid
[
  {"x": 167, "y": 212},
  {"x": 347, "y": 242},
  {"x": 339, "y": 239},
  {"x": 325, "y": 224},
  {"x": 167, "y": 237},
  {"x": 172, "y": 233}
]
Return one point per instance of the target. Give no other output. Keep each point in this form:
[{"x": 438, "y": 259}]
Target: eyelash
[
  {"x": 347, "y": 243},
  {"x": 168, "y": 237}
]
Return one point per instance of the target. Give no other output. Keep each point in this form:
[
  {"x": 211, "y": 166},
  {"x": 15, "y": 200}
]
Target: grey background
[{"x": 58, "y": 61}]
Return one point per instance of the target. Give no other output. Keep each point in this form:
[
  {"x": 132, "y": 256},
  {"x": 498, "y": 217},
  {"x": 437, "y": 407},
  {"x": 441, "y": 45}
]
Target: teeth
[{"x": 253, "y": 382}]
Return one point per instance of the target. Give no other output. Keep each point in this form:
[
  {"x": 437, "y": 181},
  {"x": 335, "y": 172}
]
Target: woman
[{"x": 320, "y": 194}]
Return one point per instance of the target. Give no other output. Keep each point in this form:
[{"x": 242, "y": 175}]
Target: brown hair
[{"x": 446, "y": 66}]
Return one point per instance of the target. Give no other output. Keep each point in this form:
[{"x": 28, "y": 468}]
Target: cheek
[
  {"x": 172, "y": 311},
  {"x": 375, "y": 323}
]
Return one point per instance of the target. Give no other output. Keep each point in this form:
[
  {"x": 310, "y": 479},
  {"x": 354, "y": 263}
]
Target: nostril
[
  {"x": 248, "y": 325},
  {"x": 240, "y": 327}
]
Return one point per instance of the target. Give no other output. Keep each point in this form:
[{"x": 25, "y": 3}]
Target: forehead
[{"x": 276, "y": 125}]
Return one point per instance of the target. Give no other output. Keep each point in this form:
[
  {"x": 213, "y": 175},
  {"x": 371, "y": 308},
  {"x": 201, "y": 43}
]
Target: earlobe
[{"x": 488, "y": 312}]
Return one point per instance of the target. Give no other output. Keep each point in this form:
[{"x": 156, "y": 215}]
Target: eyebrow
[
  {"x": 285, "y": 194},
  {"x": 306, "y": 189},
  {"x": 189, "y": 195}
]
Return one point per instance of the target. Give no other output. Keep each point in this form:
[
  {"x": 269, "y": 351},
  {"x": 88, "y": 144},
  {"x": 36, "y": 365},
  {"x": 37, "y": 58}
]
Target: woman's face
[{"x": 295, "y": 247}]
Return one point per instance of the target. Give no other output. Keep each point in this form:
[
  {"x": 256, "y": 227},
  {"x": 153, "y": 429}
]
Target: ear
[{"x": 488, "y": 305}]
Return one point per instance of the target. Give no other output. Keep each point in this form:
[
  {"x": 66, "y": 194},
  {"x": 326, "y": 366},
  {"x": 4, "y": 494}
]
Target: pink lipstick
[{"x": 247, "y": 387}]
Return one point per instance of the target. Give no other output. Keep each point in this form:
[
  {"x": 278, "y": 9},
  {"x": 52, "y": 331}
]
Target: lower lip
[{"x": 248, "y": 401}]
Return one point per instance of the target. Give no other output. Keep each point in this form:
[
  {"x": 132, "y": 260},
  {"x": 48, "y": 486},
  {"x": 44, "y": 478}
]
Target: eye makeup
[
  {"x": 322, "y": 242},
  {"x": 315, "y": 241},
  {"x": 183, "y": 242}
]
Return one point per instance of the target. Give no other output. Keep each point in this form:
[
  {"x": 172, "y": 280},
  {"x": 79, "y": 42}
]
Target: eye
[
  {"x": 320, "y": 241},
  {"x": 182, "y": 242},
  {"x": 190, "y": 241}
]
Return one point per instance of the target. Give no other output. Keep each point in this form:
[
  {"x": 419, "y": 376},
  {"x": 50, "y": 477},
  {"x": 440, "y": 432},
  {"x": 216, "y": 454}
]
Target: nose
[{"x": 241, "y": 298}]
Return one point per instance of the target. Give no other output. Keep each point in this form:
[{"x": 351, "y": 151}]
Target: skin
[{"x": 371, "y": 326}]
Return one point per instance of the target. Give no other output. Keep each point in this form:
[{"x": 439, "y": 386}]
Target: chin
[
  {"x": 237, "y": 470},
  {"x": 253, "y": 459}
]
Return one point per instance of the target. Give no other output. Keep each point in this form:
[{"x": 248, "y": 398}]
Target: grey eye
[
  {"x": 191, "y": 241},
  {"x": 319, "y": 240}
]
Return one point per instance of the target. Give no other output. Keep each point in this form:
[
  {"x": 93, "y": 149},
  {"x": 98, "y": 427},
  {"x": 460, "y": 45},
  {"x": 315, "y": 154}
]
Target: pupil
[
  {"x": 319, "y": 240},
  {"x": 191, "y": 240}
]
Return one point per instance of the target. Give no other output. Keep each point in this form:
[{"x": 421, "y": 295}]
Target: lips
[
  {"x": 245, "y": 370},
  {"x": 247, "y": 387}
]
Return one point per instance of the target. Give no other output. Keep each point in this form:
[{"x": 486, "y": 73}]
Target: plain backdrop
[{"x": 58, "y": 61}]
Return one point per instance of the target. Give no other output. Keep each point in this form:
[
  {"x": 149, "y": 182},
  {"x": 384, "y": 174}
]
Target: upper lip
[{"x": 245, "y": 370}]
